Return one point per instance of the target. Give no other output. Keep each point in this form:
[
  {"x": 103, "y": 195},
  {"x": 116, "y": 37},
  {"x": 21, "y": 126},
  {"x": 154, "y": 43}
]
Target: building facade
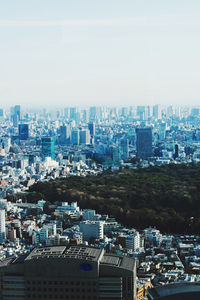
[
  {"x": 78, "y": 272},
  {"x": 144, "y": 142},
  {"x": 48, "y": 147}
]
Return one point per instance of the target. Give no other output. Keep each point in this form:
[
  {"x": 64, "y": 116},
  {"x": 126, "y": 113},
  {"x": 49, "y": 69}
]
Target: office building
[
  {"x": 176, "y": 151},
  {"x": 2, "y": 226},
  {"x": 124, "y": 149},
  {"x": 66, "y": 112},
  {"x": 162, "y": 131},
  {"x": 17, "y": 111},
  {"x": 85, "y": 137},
  {"x": 91, "y": 229},
  {"x": 142, "y": 112},
  {"x": 116, "y": 154},
  {"x": 73, "y": 112},
  {"x": 94, "y": 114},
  {"x": 1, "y": 112},
  {"x": 75, "y": 136},
  {"x": 23, "y": 131},
  {"x": 64, "y": 134},
  {"x": 157, "y": 113},
  {"x": 144, "y": 142},
  {"x": 91, "y": 127},
  {"x": 75, "y": 273},
  {"x": 48, "y": 145}
]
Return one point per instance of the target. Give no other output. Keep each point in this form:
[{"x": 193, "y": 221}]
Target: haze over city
[{"x": 62, "y": 53}]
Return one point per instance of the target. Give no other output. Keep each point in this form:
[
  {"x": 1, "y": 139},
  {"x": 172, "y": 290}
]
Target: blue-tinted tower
[
  {"x": 23, "y": 131},
  {"x": 48, "y": 147}
]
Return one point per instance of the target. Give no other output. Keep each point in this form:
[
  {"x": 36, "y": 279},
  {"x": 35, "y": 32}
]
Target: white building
[
  {"x": 2, "y": 226},
  {"x": 92, "y": 229},
  {"x": 153, "y": 235},
  {"x": 133, "y": 241},
  {"x": 43, "y": 235},
  {"x": 65, "y": 207}
]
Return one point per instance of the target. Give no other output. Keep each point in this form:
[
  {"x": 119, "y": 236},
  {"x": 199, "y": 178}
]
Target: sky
[{"x": 106, "y": 52}]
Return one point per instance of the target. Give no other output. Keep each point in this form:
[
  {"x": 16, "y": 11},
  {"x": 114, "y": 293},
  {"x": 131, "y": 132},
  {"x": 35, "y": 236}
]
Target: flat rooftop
[
  {"x": 80, "y": 252},
  {"x": 174, "y": 291}
]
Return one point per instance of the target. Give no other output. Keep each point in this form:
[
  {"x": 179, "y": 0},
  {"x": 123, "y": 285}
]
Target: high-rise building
[
  {"x": 144, "y": 142},
  {"x": 124, "y": 111},
  {"x": 84, "y": 136},
  {"x": 75, "y": 136},
  {"x": 64, "y": 134},
  {"x": 1, "y": 112},
  {"x": 75, "y": 273},
  {"x": 91, "y": 127},
  {"x": 116, "y": 155},
  {"x": 23, "y": 131},
  {"x": 157, "y": 113},
  {"x": 94, "y": 113},
  {"x": 66, "y": 112},
  {"x": 5, "y": 142},
  {"x": 176, "y": 152},
  {"x": 124, "y": 147},
  {"x": 73, "y": 111},
  {"x": 162, "y": 131},
  {"x": 142, "y": 112},
  {"x": 2, "y": 226},
  {"x": 17, "y": 111},
  {"x": 85, "y": 116},
  {"x": 48, "y": 147}
]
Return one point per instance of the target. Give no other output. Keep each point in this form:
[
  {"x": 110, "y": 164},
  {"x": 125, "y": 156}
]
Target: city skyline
[{"x": 108, "y": 53}]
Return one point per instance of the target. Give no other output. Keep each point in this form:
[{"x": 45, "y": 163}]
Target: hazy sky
[{"x": 93, "y": 52}]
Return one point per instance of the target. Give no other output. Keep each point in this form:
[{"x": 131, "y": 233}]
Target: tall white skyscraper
[{"x": 2, "y": 226}]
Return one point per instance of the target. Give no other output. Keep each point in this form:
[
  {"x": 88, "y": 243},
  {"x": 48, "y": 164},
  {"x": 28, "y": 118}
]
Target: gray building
[
  {"x": 78, "y": 272},
  {"x": 144, "y": 142},
  {"x": 176, "y": 291}
]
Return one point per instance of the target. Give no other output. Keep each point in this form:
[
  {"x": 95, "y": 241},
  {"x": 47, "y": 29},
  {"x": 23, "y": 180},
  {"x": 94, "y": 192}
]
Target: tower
[
  {"x": 2, "y": 226},
  {"x": 144, "y": 142},
  {"x": 124, "y": 147},
  {"x": 85, "y": 137},
  {"x": 75, "y": 137},
  {"x": 48, "y": 147},
  {"x": 23, "y": 131}
]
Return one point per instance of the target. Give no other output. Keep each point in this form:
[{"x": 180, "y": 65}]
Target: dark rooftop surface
[
  {"x": 84, "y": 253},
  {"x": 176, "y": 291}
]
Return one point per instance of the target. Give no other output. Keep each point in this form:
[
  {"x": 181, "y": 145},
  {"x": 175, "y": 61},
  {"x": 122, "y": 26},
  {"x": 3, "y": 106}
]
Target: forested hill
[{"x": 167, "y": 197}]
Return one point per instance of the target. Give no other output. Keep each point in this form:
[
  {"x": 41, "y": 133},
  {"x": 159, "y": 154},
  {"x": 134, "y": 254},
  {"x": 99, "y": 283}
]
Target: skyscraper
[
  {"x": 1, "y": 112},
  {"x": 2, "y": 226},
  {"x": 124, "y": 147},
  {"x": 75, "y": 136},
  {"x": 91, "y": 127},
  {"x": 142, "y": 112},
  {"x": 17, "y": 111},
  {"x": 157, "y": 113},
  {"x": 64, "y": 134},
  {"x": 85, "y": 136},
  {"x": 48, "y": 147},
  {"x": 73, "y": 112},
  {"x": 23, "y": 131},
  {"x": 144, "y": 142}
]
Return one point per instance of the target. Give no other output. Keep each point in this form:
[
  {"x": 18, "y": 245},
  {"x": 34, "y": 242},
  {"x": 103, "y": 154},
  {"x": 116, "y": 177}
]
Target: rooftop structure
[{"x": 78, "y": 272}]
